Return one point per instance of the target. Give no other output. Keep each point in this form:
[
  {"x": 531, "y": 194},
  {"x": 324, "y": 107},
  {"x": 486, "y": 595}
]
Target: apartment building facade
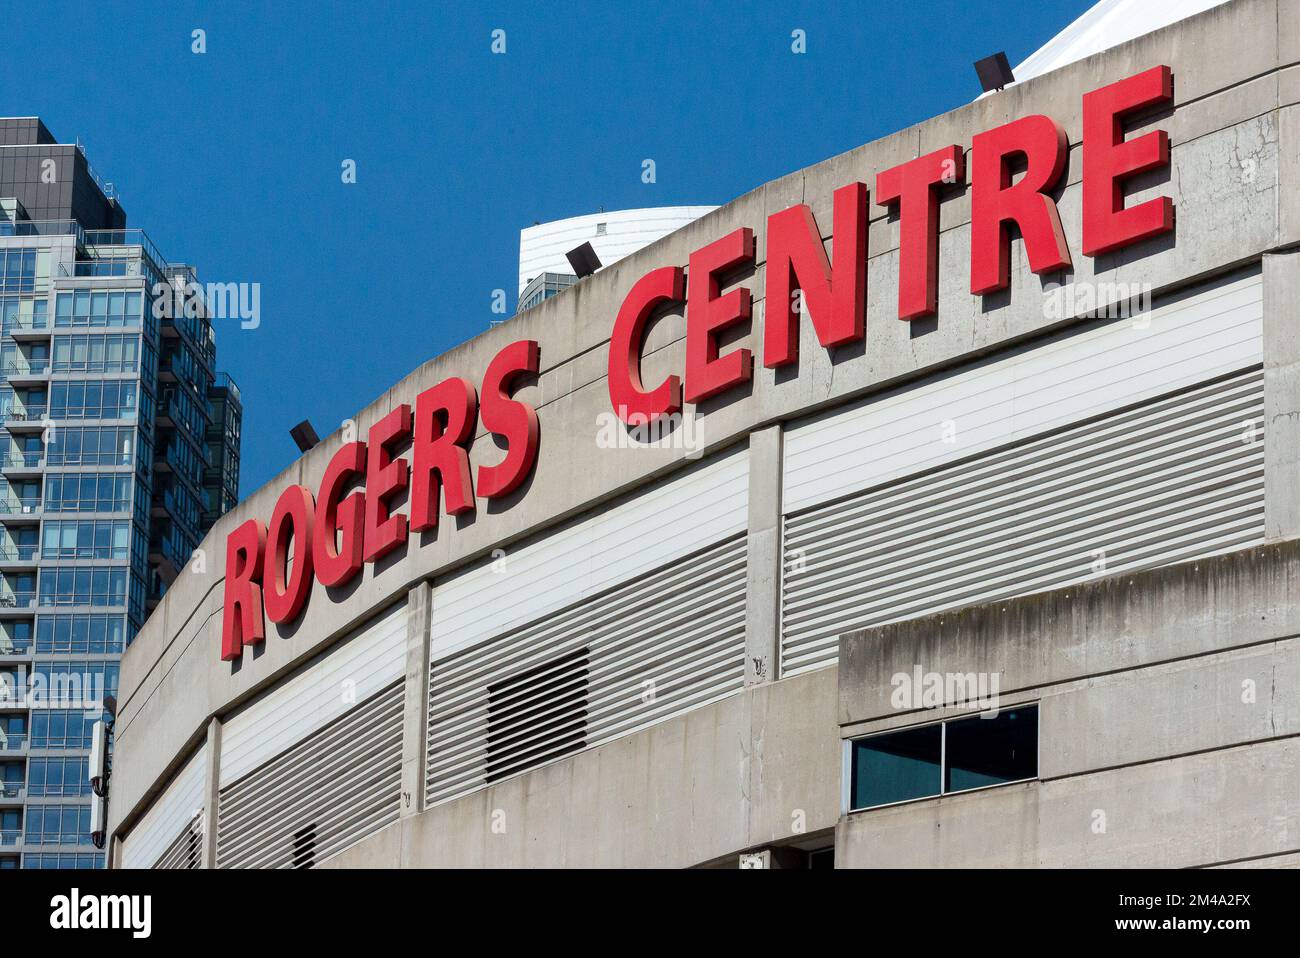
[{"x": 119, "y": 450}]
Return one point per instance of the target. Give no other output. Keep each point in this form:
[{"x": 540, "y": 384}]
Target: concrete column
[
  {"x": 211, "y": 791},
  {"x": 763, "y": 585},
  {"x": 1282, "y": 395},
  {"x": 419, "y": 626}
]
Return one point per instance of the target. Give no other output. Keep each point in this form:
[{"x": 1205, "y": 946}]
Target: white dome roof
[{"x": 1107, "y": 24}]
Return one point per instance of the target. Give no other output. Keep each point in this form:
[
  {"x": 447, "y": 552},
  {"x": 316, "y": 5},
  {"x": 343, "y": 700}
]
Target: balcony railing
[
  {"x": 22, "y": 460},
  {"x": 12, "y": 743},
  {"x": 12, "y": 789},
  {"x": 10, "y": 836},
  {"x": 19, "y": 506},
  {"x": 30, "y": 414},
  {"x": 18, "y": 600},
  {"x": 33, "y": 367},
  {"x": 25, "y": 322},
  {"x": 12, "y": 552},
  {"x": 107, "y": 267},
  {"x": 40, "y": 228}
]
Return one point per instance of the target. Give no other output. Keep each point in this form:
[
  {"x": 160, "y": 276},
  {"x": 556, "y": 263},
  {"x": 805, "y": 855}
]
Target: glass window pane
[
  {"x": 989, "y": 751},
  {"x": 896, "y": 766}
]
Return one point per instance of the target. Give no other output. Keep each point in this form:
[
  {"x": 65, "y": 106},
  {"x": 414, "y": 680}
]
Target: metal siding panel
[
  {"x": 343, "y": 783},
  {"x": 1166, "y": 481},
  {"x": 169, "y": 815},
  {"x": 1212, "y": 332},
  {"x": 674, "y": 518},
  {"x": 680, "y": 629},
  {"x": 371, "y": 658}
]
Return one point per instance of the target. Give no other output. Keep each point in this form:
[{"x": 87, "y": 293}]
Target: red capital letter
[
  {"x": 514, "y": 421},
  {"x": 631, "y": 401},
  {"x": 914, "y": 185},
  {"x": 835, "y": 300},
  {"x": 995, "y": 203},
  {"x": 440, "y": 453},
  {"x": 242, "y": 620},
  {"x": 1108, "y": 160},
  {"x": 708, "y": 313},
  {"x": 293, "y": 518},
  {"x": 385, "y": 477},
  {"x": 337, "y": 563}
]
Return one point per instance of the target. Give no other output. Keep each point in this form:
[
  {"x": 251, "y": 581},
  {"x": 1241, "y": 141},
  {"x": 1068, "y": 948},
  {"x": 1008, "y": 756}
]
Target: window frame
[{"x": 846, "y": 768}]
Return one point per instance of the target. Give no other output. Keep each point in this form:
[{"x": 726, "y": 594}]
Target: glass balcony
[
  {"x": 10, "y": 837},
  {"x": 28, "y": 414},
  {"x": 13, "y": 552},
  {"x": 18, "y": 600},
  {"x": 22, "y": 460},
  {"x": 40, "y": 228},
  {"x": 21, "y": 506},
  {"x": 25, "y": 322},
  {"x": 29, "y": 367}
]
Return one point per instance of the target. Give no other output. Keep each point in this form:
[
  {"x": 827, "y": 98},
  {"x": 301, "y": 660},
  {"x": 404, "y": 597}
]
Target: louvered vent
[
  {"x": 1173, "y": 479},
  {"x": 333, "y": 788},
  {"x": 537, "y": 716},
  {"x": 186, "y": 850},
  {"x": 672, "y": 641}
]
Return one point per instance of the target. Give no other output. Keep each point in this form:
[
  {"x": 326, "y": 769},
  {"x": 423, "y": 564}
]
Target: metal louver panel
[
  {"x": 187, "y": 850},
  {"x": 170, "y": 816},
  {"x": 370, "y": 658},
  {"x": 327, "y": 792},
  {"x": 669, "y": 642},
  {"x": 1172, "y": 479},
  {"x": 1091, "y": 369},
  {"x": 701, "y": 504}
]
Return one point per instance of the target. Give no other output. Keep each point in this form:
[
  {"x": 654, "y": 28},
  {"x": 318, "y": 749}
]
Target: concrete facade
[{"x": 762, "y": 766}]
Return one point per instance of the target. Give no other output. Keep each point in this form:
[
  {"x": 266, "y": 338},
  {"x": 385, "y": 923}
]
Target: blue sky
[{"x": 231, "y": 159}]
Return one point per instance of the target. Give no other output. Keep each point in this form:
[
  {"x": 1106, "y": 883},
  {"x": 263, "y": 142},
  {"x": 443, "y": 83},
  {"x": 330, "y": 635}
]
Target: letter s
[{"x": 514, "y": 421}]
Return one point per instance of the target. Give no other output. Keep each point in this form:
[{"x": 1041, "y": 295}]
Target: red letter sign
[
  {"x": 385, "y": 477},
  {"x": 708, "y": 313},
  {"x": 337, "y": 563},
  {"x": 914, "y": 185},
  {"x": 242, "y": 619},
  {"x": 514, "y": 421},
  {"x": 836, "y": 300},
  {"x": 441, "y": 457},
  {"x": 293, "y": 518},
  {"x": 1108, "y": 160},
  {"x": 995, "y": 202},
  {"x": 632, "y": 402}
]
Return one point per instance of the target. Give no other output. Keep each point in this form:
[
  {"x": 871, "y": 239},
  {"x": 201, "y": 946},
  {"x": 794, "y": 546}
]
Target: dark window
[
  {"x": 897, "y": 766},
  {"x": 990, "y": 751},
  {"x": 537, "y": 716},
  {"x": 953, "y": 756},
  {"x": 822, "y": 858}
]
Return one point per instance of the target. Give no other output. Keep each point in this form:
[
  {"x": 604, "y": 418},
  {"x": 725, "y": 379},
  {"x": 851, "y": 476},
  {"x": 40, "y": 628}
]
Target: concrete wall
[
  {"x": 1235, "y": 132},
  {"x": 1169, "y": 707}
]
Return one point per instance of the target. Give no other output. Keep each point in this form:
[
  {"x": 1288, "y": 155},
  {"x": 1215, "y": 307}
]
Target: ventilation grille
[
  {"x": 327, "y": 792},
  {"x": 537, "y": 716},
  {"x": 672, "y": 641},
  {"x": 1174, "y": 479},
  {"x": 186, "y": 850}
]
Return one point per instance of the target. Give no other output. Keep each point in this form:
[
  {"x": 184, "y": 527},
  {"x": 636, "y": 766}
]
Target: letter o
[{"x": 294, "y": 518}]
